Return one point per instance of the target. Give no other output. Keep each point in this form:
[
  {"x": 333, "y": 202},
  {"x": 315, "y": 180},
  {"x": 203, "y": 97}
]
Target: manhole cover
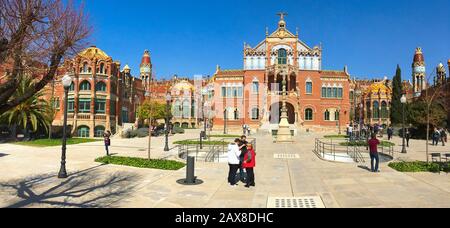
[
  {"x": 286, "y": 156},
  {"x": 295, "y": 202}
]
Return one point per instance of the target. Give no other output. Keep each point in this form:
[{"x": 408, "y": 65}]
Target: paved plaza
[{"x": 29, "y": 178}]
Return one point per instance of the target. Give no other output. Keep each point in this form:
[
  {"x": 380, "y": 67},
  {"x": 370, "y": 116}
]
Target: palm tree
[{"x": 35, "y": 112}]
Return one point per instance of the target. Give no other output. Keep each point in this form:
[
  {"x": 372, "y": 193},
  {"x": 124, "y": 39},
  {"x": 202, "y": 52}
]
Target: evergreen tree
[{"x": 397, "y": 93}]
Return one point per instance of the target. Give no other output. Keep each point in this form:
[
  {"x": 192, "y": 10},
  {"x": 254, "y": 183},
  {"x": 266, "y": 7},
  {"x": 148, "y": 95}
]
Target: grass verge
[
  {"x": 197, "y": 142},
  {"x": 141, "y": 162},
  {"x": 55, "y": 142}
]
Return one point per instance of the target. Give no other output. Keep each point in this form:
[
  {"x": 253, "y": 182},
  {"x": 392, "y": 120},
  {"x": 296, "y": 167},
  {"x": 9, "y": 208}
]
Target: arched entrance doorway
[{"x": 275, "y": 113}]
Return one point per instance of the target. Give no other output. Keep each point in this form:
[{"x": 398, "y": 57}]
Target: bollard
[{"x": 190, "y": 168}]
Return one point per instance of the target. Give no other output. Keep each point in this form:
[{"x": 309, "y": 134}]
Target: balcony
[{"x": 84, "y": 116}]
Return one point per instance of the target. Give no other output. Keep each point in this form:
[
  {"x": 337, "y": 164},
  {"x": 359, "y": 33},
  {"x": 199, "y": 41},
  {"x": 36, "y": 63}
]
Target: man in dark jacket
[{"x": 243, "y": 147}]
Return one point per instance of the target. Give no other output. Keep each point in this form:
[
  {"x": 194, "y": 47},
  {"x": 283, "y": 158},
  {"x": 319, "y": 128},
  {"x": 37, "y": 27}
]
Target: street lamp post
[
  {"x": 168, "y": 100},
  {"x": 66, "y": 81},
  {"x": 338, "y": 121},
  {"x": 204, "y": 121},
  {"x": 361, "y": 106},
  {"x": 403, "y": 101},
  {"x": 225, "y": 113},
  {"x": 147, "y": 94}
]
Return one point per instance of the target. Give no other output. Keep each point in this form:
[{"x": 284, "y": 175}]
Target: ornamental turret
[
  {"x": 146, "y": 68},
  {"x": 419, "y": 73},
  {"x": 441, "y": 75}
]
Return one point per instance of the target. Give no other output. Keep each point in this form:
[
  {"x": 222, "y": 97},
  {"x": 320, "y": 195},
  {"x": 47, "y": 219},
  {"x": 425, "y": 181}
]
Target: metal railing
[
  {"x": 333, "y": 148},
  {"x": 208, "y": 152}
]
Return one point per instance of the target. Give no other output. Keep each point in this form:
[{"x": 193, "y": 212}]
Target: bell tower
[
  {"x": 419, "y": 73},
  {"x": 146, "y": 69}
]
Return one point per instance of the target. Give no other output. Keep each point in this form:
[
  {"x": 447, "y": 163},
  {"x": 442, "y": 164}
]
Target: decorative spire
[
  {"x": 282, "y": 23},
  {"x": 267, "y": 32},
  {"x": 418, "y": 56}
]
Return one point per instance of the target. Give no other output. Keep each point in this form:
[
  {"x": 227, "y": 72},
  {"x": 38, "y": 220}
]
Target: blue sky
[{"x": 192, "y": 37}]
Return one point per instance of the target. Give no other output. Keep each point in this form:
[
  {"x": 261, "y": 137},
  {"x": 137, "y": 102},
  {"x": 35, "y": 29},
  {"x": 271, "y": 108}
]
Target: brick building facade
[{"x": 317, "y": 98}]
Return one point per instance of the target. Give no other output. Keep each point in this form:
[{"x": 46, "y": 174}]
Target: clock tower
[
  {"x": 146, "y": 69},
  {"x": 419, "y": 72}
]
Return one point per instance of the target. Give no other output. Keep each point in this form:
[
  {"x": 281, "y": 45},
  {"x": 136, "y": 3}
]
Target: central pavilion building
[{"x": 317, "y": 99}]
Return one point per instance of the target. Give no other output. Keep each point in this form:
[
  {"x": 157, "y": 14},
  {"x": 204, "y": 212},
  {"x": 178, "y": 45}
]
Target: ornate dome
[
  {"x": 183, "y": 85},
  {"x": 441, "y": 68},
  {"x": 94, "y": 52},
  {"x": 378, "y": 87}
]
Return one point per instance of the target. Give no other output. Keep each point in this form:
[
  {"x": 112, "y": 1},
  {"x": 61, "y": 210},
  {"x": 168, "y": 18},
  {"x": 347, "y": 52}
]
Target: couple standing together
[{"x": 241, "y": 155}]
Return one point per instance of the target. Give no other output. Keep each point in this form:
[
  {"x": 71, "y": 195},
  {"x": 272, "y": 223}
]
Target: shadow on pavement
[
  {"x": 3, "y": 155},
  {"x": 83, "y": 189},
  {"x": 365, "y": 168}
]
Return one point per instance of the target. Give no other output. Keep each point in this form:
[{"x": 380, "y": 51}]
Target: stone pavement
[{"x": 29, "y": 180}]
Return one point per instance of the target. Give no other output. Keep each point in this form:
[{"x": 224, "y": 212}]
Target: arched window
[
  {"x": 384, "y": 110},
  {"x": 102, "y": 68},
  {"x": 327, "y": 115},
  {"x": 282, "y": 56},
  {"x": 177, "y": 109},
  {"x": 255, "y": 87},
  {"x": 101, "y": 87},
  {"x": 236, "y": 114},
  {"x": 309, "y": 114},
  {"x": 336, "y": 115},
  {"x": 376, "y": 110},
  {"x": 85, "y": 85},
  {"x": 98, "y": 131},
  {"x": 324, "y": 92},
  {"x": 85, "y": 68},
  {"x": 309, "y": 88},
  {"x": 83, "y": 132},
  {"x": 255, "y": 114},
  {"x": 186, "y": 109}
]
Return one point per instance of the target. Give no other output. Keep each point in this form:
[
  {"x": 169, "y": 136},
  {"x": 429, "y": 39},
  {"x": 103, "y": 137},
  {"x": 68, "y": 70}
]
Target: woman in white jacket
[{"x": 233, "y": 161}]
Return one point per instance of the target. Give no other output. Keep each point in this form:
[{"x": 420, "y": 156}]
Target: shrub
[
  {"x": 178, "y": 130},
  {"x": 364, "y": 143},
  {"x": 417, "y": 166}
]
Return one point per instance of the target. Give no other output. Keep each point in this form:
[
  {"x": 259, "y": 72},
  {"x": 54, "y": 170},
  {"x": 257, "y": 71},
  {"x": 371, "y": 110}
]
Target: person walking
[
  {"x": 350, "y": 132},
  {"x": 374, "y": 157},
  {"x": 233, "y": 161},
  {"x": 436, "y": 136},
  {"x": 390, "y": 132},
  {"x": 443, "y": 136},
  {"x": 249, "y": 165},
  {"x": 408, "y": 137},
  {"x": 243, "y": 148},
  {"x": 107, "y": 141}
]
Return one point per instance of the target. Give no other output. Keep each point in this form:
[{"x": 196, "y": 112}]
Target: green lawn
[
  {"x": 225, "y": 136},
  {"x": 197, "y": 142},
  {"x": 335, "y": 136},
  {"x": 55, "y": 142},
  {"x": 141, "y": 163}
]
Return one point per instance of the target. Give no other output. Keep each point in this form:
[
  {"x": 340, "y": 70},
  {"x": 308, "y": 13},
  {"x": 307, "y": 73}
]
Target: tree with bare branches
[
  {"x": 433, "y": 96},
  {"x": 35, "y": 38}
]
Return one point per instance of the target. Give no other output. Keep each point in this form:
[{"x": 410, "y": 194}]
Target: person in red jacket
[{"x": 249, "y": 164}]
